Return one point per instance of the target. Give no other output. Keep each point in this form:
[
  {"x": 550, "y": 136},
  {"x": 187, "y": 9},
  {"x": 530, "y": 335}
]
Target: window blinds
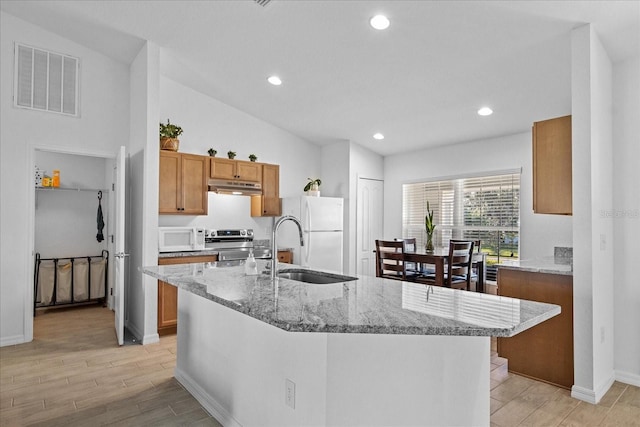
[{"x": 485, "y": 208}]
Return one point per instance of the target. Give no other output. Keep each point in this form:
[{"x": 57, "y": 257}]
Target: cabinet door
[
  {"x": 249, "y": 171},
  {"x": 268, "y": 204},
  {"x": 223, "y": 168},
  {"x": 194, "y": 184},
  {"x": 168, "y": 294},
  {"x": 545, "y": 351},
  {"x": 170, "y": 192},
  {"x": 285, "y": 257},
  {"x": 552, "y": 166},
  {"x": 271, "y": 190}
]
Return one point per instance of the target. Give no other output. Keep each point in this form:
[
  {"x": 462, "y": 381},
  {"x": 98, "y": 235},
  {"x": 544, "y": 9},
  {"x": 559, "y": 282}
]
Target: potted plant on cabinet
[
  {"x": 231, "y": 154},
  {"x": 169, "y": 136},
  {"x": 313, "y": 187},
  {"x": 253, "y": 157},
  {"x": 212, "y": 152}
]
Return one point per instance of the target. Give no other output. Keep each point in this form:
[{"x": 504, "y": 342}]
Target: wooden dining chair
[
  {"x": 390, "y": 260},
  {"x": 410, "y": 246},
  {"x": 458, "y": 271}
]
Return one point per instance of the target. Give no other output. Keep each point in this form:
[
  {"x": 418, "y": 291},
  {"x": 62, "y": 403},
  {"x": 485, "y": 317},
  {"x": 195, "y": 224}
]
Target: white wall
[
  {"x": 538, "y": 233},
  {"x": 209, "y": 123},
  {"x": 626, "y": 220},
  {"x": 100, "y": 129},
  {"x": 141, "y": 290},
  {"x": 66, "y": 221},
  {"x": 591, "y": 90}
]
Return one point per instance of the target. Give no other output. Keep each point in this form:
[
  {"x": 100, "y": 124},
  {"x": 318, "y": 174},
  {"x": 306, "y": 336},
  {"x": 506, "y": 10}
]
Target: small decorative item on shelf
[
  {"x": 38, "y": 175},
  {"x": 253, "y": 157},
  {"x": 169, "y": 136},
  {"x": 430, "y": 228},
  {"x": 212, "y": 152},
  {"x": 231, "y": 154},
  {"x": 55, "y": 181},
  {"x": 313, "y": 187}
]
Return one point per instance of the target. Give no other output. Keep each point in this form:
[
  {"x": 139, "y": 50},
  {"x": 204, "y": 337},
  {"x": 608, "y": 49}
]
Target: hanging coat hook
[{"x": 99, "y": 195}]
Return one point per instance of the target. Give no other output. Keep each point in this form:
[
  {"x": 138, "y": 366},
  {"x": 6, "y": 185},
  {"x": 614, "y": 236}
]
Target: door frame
[
  {"x": 359, "y": 219},
  {"x": 29, "y": 171}
]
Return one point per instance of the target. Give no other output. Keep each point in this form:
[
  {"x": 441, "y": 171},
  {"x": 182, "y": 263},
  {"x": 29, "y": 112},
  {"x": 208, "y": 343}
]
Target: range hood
[{"x": 229, "y": 186}]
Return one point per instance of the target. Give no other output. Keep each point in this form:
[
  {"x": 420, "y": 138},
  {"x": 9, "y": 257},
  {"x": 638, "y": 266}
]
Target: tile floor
[{"x": 72, "y": 375}]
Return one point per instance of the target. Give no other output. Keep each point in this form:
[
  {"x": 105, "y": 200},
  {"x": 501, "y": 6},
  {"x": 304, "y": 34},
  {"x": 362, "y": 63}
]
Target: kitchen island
[{"x": 366, "y": 352}]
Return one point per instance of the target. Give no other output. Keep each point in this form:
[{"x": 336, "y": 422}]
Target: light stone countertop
[
  {"x": 369, "y": 305},
  {"x": 548, "y": 265},
  {"x": 187, "y": 253}
]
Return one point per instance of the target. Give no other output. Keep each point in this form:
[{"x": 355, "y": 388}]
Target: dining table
[{"x": 438, "y": 258}]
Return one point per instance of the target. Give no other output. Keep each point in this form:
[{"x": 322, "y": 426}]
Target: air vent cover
[
  {"x": 45, "y": 80},
  {"x": 262, "y": 3}
]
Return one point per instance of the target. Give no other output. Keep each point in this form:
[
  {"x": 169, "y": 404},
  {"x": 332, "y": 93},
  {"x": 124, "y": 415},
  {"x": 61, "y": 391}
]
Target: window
[
  {"x": 45, "y": 81},
  {"x": 485, "y": 208}
]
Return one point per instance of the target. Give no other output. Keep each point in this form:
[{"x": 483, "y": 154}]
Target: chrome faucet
[{"x": 274, "y": 246}]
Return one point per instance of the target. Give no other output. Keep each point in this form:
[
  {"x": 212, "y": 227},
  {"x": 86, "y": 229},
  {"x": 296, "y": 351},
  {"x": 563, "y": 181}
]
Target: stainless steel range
[{"x": 234, "y": 244}]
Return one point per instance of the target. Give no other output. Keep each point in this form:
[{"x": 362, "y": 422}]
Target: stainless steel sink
[{"x": 311, "y": 276}]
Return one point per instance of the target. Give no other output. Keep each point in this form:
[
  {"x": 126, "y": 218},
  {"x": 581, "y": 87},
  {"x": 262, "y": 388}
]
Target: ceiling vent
[
  {"x": 262, "y": 3},
  {"x": 45, "y": 81}
]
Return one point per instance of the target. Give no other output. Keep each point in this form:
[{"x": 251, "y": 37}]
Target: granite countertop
[
  {"x": 367, "y": 305},
  {"x": 187, "y": 253},
  {"x": 549, "y": 265}
]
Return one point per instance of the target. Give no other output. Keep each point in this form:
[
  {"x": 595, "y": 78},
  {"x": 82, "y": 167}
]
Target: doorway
[
  {"x": 369, "y": 214},
  {"x": 65, "y": 219}
]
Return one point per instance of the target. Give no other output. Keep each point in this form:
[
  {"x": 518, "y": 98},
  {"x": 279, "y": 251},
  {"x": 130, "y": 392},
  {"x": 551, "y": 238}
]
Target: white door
[
  {"x": 120, "y": 255},
  {"x": 368, "y": 224}
]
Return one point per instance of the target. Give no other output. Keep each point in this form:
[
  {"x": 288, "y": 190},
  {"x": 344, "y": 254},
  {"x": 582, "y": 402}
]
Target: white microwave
[{"x": 178, "y": 239}]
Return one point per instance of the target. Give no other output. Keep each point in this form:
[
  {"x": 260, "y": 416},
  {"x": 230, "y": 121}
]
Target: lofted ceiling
[{"x": 420, "y": 82}]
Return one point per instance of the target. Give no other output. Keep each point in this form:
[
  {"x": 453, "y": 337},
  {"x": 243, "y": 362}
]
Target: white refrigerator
[{"x": 322, "y": 226}]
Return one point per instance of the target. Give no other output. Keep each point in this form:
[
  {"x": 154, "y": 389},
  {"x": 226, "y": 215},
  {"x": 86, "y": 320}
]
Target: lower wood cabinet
[
  {"x": 285, "y": 257},
  {"x": 168, "y": 294},
  {"x": 544, "y": 352}
]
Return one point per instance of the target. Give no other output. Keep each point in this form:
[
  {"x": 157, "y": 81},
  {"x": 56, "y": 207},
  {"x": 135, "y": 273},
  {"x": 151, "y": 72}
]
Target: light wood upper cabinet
[
  {"x": 236, "y": 169},
  {"x": 552, "y": 166},
  {"x": 268, "y": 204},
  {"x": 183, "y": 184}
]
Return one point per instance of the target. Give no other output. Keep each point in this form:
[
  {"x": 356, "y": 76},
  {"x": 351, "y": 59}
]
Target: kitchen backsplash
[{"x": 562, "y": 255}]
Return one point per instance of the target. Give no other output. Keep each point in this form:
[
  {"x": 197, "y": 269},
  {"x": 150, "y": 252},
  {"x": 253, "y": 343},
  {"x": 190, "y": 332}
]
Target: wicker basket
[{"x": 170, "y": 144}]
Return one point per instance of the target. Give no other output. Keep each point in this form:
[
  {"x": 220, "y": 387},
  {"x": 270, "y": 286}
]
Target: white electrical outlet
[{"x": 290, "y": 393}]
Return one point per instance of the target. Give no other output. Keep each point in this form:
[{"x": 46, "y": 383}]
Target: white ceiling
[{"x": 419, "y": 83}]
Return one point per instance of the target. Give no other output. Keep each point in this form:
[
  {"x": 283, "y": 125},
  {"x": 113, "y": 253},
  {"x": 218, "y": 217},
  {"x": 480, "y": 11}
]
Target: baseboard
[
  {"x": 628, "y": 378},
  {"x": 12, "y": 340},
  {"x": 209, "y": 403},
  {"x": 592, "y": 396},
  {"x": 150, "y": 339},
  {"x": 583, "y": 394}
]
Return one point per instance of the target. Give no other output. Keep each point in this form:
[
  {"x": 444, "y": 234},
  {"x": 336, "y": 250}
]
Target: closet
[{"x": 72, "y": 254}]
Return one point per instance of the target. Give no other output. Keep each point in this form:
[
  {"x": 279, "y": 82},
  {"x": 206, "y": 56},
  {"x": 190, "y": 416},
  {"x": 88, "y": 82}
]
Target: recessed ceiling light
[
  {"x": 378, "y": 136},
  {"x": 485, "y": 111},
  {"x": 274, "y": 80},
  {"x": 379, "y": 22}
]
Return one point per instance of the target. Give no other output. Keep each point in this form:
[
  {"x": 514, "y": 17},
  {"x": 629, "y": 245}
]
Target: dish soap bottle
[{"x": 250, "y": 265}]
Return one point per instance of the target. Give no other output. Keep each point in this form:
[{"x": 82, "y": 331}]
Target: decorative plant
[
  {"x": 313, "y": 184},
  {"x": 430, "y": 227},
  {"x": 212, "y": 152},
  {"x": 231, "y": 154},
  {"x": 169, "y": 130},
  {"x": 253, "y": 157}
]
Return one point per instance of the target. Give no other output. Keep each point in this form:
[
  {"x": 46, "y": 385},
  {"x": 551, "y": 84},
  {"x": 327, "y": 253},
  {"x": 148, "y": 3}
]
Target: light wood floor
[{"x": 74, "y": 374}]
